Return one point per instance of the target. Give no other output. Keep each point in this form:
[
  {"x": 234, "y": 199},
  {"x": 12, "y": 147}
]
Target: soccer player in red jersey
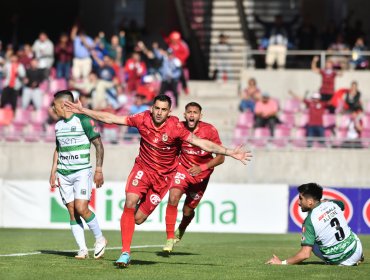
[
  {"x": 192, "y": 176},
  {"x": 150, "y": 178}
]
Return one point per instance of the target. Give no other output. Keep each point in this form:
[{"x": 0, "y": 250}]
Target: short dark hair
[
  {"x": 66, "y": 94},
  {"x": 163, "y": 98},
  {"x": 311, "y": 189},
  {"x": 193, "y": 104}
]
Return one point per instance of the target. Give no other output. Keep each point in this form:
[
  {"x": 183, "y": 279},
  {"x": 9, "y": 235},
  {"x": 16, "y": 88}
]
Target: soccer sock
[
  {"x": 78, "y": 232},
  {"x": 127, "y": 228},
  {"x": 186, "y": 221},
  {"x": 171, "y": 215},
  {"x": 93, "y": 224}
]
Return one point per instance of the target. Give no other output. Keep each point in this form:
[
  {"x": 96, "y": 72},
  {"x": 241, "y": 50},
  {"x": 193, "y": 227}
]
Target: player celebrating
[
  {"x": 156, "y": 163},
  {"x": 192, "y": 176},
  {"x": 324, "y": 231},
  {"x": 71, "y": 171}
]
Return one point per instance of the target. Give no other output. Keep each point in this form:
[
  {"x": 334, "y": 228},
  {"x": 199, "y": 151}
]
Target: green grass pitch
[{"x": 197, "y": 256}]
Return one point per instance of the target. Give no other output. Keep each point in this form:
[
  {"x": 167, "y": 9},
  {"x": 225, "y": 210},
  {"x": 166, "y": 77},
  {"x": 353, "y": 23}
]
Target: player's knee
[
  {"x": 187, "y": 211},
  {"x": 82, "y": 210}
]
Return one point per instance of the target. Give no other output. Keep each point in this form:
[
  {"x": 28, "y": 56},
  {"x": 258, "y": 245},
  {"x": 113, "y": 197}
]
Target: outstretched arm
[
  {"x": 104, "y": 117},
  {"x": 302, "y": 255},
  {"x": 98, "y": 176},
  {"x": 238, "y": 153},
  {"x": 314, "y": 67}
]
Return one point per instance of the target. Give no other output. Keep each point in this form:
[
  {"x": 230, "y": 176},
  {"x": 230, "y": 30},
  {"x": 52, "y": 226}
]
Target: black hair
[
  {"x": 66, "y": 94},
  {"x": 195, "y": 104},
  {"x": 312, "y": 190},
  {"x": 163, "y": 98}
]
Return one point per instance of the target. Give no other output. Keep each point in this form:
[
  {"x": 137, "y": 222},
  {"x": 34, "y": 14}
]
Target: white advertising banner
[{"x": 243, "y": 208}]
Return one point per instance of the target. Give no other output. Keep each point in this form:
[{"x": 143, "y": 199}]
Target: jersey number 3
[{"x": 339, "y": 235}]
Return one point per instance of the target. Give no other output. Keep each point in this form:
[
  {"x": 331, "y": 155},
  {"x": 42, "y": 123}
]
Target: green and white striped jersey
[
  {"x": 327, "y": 227},
  {"x": 73, "y": 140}
]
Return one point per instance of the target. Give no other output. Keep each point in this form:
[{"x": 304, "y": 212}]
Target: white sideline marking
[{"x": 108, "y": 248}]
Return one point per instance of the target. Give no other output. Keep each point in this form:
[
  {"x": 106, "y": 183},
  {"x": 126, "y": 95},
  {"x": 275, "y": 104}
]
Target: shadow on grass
[
  {"x": 167, "y": 255},
  {"x": 135, "y": 262},
  {"x": 313, "y": 262},
  {"x": 58, "y": 253}
]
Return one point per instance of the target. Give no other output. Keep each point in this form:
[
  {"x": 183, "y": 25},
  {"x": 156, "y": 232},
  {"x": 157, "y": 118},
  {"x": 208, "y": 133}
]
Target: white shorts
[{"x": 75, "y": 186}]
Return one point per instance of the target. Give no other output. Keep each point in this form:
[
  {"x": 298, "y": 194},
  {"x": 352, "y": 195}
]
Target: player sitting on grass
[
  {"x": 71, "y": 171},
  {"x": 325, "y": 231}
]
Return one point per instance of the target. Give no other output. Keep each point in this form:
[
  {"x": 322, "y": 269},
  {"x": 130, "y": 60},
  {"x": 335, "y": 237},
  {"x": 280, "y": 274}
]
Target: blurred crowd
[{"x": 102, "y": 72}]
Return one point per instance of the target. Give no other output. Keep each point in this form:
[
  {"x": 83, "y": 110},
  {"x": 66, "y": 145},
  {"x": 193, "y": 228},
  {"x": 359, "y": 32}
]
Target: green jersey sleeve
[
  {"x": 308, "y": 232},
  {"x": 339, "y": 203},
  {"x": 90, "y": 127}
]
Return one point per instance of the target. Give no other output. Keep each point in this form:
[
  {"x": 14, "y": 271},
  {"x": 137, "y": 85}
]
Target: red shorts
[
  {"x": 193, "y": 186},
  {"x": 150, "y": 186}
]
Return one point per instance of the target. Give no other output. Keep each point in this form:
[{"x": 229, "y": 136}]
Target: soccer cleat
[
  {"x": 169, "y": 245},
  {"x": 82, "y": 254},
  {"x": 100, "y": 247},
  {"x": 178, "y": 235},
  {"x": 123, "y": 260}
]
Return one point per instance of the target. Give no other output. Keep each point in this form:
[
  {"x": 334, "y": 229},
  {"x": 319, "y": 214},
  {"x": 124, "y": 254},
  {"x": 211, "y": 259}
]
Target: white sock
[
  {"x": 78, "y": 233},
  {"x": 93, "y": 224}
]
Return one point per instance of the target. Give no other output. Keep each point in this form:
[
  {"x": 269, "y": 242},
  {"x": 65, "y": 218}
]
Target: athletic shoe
[
  {"x": 100, "y": 245},
  {"x": 82, "y": 254},
  {"x": 123, "y": 260},
  {"x": 169, "y": 245},
  {"x": 178, "y": 235}
]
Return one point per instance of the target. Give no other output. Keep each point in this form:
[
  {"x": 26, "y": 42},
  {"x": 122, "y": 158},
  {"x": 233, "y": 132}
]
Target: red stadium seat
[
  {"x": 261, "y": 136},
  {"x": 281, "y": 136},
  {"x": 301, "y": 119},
  {"x": 287, "y": 119},
  {"x": 291, "y": 105},
  {"x": 240, "y": 135},
  {"x": 246, "y": 120},
  {"x": 299, "y": 137}
]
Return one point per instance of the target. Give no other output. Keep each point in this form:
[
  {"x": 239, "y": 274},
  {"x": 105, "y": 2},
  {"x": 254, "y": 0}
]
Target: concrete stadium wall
[
  {"x": 329, "y": 167},
  {"x": 278, "y": 82}
]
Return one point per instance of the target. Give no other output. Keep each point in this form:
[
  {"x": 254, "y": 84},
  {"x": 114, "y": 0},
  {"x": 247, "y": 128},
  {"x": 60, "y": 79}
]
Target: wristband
[
  {"x": 284, "y": 262},
  {"x": 96, "y": 171},
  {"x": 203, "y": 167}
]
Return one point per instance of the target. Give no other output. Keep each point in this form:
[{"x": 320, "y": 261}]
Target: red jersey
[
  {"x": 194, "y": 155},
  {"x": 181, "y": 51},
  {"x": 159, "y": 146},
  {"x": 328, "y": 76},
  {"x": 316, "y": 111}
]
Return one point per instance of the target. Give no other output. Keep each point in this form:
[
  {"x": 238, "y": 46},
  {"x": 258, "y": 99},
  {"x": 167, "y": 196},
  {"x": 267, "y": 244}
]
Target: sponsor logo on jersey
[
  {"x": 177, "y": 181},
  {"x": 155, "y": 140},
  {"x": 298, "y": 216},
  {"x": 366, "y": 212},
  {"x": 155, "y": 199},
  {"x": 195, "y": 196},
  {"x": 135, "y": 182},
  {"x": 164, "y": 137}
]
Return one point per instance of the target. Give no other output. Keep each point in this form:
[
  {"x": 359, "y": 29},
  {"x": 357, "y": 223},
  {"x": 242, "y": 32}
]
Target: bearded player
[
  {"x": 192, "y": 176},
  {"x": 156, "y": 163}
]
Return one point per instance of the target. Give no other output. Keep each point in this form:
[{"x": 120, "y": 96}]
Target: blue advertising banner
[{"x": 356, "y": 212}]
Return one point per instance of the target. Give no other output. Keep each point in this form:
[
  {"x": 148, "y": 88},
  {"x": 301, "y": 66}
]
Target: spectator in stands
[
  {"x": 25, "y": 55},
  {"x": 43, "y": 48},
  {"x": 170, "y": 72},
  {"x": 14, "y": 73},
  {"x": 222, "y": 48},
  {"x": 82, "y": 45},
  {"x": 250, "y": 96},
  {"x": 265, "y": 113},
  {"x": 316, "y": 110},
  {"x": 31, "y": 91},
  {"x": 147, "y": 89},
  {"x": 358, "y": 60},
  {"x": 97, "y": 53},
  {"x": 135, "y": 69},
  {"x": 339, "y": 61},
  {"x": 64, "y": 56},
  {"x": 328, "y": 75},
  {"x": 106, "y": 81},
  {"x": 352, "y": 98},
  {"x": 137, "y": 107},
  {"x": 354, "y": 130},
  {"x": 278, "y": 34},
  {"x": 151, "y": 61},
  {"x": 181, "y": 51},
  {"x": 115, "y": 48}
]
